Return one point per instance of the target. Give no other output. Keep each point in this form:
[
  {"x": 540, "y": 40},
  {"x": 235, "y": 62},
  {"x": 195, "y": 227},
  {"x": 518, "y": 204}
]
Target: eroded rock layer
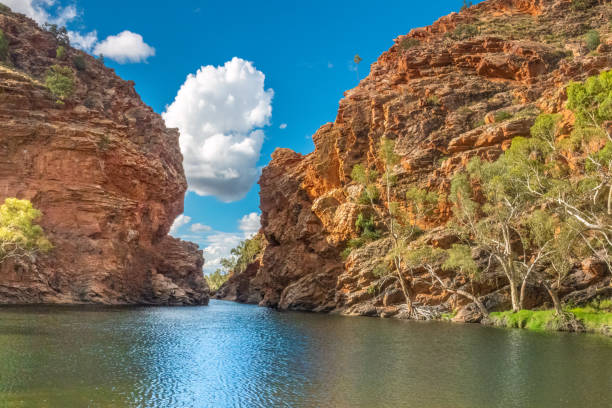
[
  {"x": 462, "y": 87},
  {"x": 107, "y": 175}
]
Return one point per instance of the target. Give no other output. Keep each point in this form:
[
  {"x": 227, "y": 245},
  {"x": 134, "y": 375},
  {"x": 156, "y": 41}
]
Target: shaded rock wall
[{"x": 107, "y": 175}]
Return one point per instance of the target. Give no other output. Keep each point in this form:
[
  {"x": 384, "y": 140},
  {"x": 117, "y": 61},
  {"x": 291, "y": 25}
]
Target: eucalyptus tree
[{"x": 20, "y": 236}]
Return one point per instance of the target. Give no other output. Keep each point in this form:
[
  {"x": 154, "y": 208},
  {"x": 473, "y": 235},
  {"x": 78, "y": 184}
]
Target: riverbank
[{"x": 593, "y": 318}]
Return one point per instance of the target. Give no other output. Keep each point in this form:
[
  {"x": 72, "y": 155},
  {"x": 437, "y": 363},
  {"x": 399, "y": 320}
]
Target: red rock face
[
  {"x": 443, "y": 101},
  {"x": 107, "y": 175}
]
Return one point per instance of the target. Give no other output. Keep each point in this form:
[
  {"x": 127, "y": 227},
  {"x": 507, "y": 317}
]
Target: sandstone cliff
[
  {"x": 105, "y": 172},
  {"x": 464, "y": 86}
]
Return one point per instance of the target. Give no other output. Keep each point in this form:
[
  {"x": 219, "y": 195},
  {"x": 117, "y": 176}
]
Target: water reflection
[{"x": 230, "y": 355}]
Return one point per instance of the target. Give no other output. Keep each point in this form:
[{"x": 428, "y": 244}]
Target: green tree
[
  {"x": 59, "y": 33},
  {"x": 216, "y": 279},
  {"x": 60, "y": 52},
  {"x": 242, "y": 255},
  {"x": 4, "y": 47},
  {"x": 20, "y": 236},
  {"x": 60, "y": 81}
]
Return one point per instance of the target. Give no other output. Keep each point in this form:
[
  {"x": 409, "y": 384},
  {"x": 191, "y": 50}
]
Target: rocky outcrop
[
  {"x": 107, "y": 175},
  {"x": 464, "y": 86}
]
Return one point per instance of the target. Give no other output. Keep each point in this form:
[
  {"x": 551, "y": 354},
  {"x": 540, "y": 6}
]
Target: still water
[{"x": 231, "y": 355}]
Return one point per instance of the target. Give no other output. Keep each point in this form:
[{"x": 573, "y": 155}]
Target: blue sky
[{"x": 305, "y": 50}]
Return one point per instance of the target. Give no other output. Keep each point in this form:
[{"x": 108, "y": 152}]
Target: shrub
[
  {"x": 464, "y": 31},
  {"x": 60, "y": 52},
  {"x": 408, "y": 43},
  {"x": 433, "y": 101},
  {"x": 466, "y": 5},
  {"x": 3, "y": 47},
  {"x": 592, "y": 40},
  {"x": 20, "y": 237},
  {"x": 4, "y": 9},
  {"x": 502, "y": 116},
  {"x": 60, "y": 81},
  {"x": 580, "y": 5},
  {"x": 79, "y": 62},
  {"x": 104, "y": 143}
]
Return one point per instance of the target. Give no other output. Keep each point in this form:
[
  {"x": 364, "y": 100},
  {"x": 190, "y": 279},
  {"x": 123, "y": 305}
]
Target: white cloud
[
  {"x": 197, "y": 227},
  {"x": 283, "y": 126},
  {"x": 39, "y": 10},
  {"x": 217, "y": 244},
  {"x": 83, "y": 41},
  {"x": 250, "y": 224},
  {"x": 219, "y": 112},
  {"x": 179, "y": 222},
  {"x": 125, "y": 47}
]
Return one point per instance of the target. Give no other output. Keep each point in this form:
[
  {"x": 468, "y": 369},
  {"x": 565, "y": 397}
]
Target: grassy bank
[{"x": 593, "y": 318}]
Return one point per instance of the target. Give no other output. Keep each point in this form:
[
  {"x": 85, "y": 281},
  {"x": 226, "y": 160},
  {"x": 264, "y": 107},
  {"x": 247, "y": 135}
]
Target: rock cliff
[
  {"x": 464, "y": 86},
  {"x": 105, "y": 172}
]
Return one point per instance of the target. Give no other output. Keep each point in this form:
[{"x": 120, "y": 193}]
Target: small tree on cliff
[
  {"x": 357, "y": 60},
  {"x": 20, "y": 237}
]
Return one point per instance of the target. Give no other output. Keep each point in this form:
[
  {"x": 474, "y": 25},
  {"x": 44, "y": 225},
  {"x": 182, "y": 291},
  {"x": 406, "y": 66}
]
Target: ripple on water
[{"x": 230, "y": 355}]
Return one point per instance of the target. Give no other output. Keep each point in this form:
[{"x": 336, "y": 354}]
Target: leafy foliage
[
  {"x": 60, "y": 81},
  {"x": 59, "y": 33},
  {"x": 60, "y": 52},
  {"x": 407, "y": 43},
  {"x": 79, "y": 62},
  {"x": 20, "y": 236},
  {"x": 216, "y": 279},
  {"x": 502, "y": 116},
  {"x": 4, "y": 46},
  {"x": 243, "y": 254},
  {"x": 464, "y": 32},
  {"x": 580, "y": 5},
  {"x": 592, "y": 40}
]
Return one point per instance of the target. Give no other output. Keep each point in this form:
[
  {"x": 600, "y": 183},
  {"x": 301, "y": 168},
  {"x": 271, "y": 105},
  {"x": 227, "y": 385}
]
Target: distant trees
[
  {"x": 216, "y": 279},
  {"x": 243, "y": 255},
  {"x": 20, "y": 236}
]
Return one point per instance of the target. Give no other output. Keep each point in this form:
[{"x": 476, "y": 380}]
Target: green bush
[
  {"x": 464, "y": 31},
  {"x": 502, "y": 116},
  {"x": 580, "y": 5},
  {"x": 60, "y": 81},
  {"x": 4, "y": 8},
  {"x": 4, "y": 48},
  {"x": 433, "y": 101},
  {"x": 20, "y": 236},
  {"x": 60, "y": 52},
  {"x": 592, "y": 40},
  {"x": 466, "y": 5},
  {"x": 408, "y": 43},
  {"x": 79, "y": 62}
]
